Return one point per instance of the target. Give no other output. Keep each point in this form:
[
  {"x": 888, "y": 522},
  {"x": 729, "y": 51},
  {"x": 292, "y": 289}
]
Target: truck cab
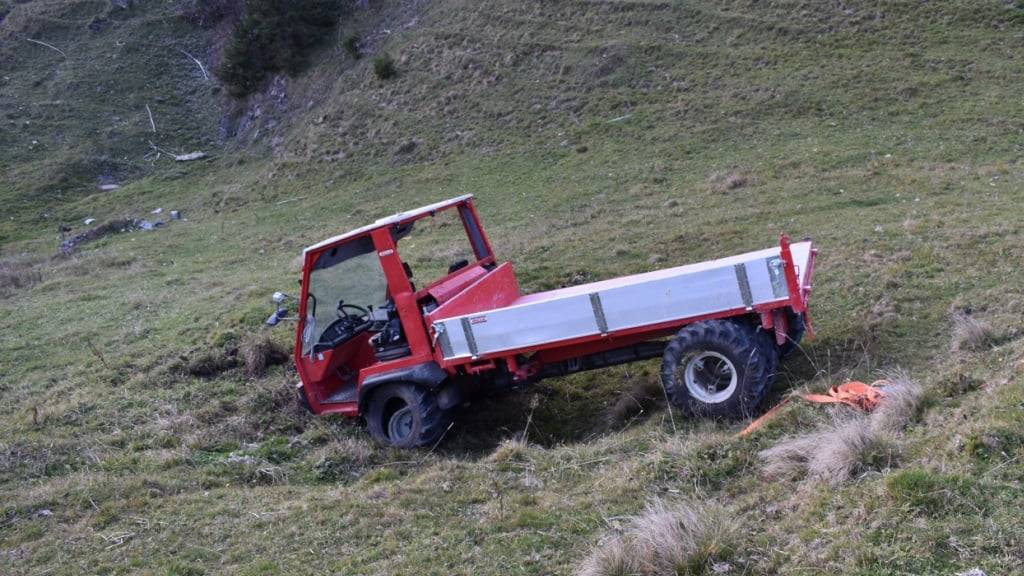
[{"x": 361, "y": 313}]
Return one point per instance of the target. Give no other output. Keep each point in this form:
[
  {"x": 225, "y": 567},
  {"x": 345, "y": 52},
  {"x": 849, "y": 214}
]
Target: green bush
[
  {"x": 384, "y": 66},
  {"x": 351, "y": 45},
  {"x": 274, "y": 36}
]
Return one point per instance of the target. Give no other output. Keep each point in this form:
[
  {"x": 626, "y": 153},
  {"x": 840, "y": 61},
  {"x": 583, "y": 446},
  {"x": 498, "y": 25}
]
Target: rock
[
  {"x": 236, "y": 458},
  {"x": 655, "y": 259},
  {"x": 582, "y": 148},
  {"x": 175, "y": 215},
  {"x": 406, "y": 147},
  {"x": 671, "y": 203},
  {"x": 43, "y": 513},
  {"x": 972, "y": 572}
]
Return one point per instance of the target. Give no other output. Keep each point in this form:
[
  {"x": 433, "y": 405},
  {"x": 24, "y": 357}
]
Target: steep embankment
[{"x": 137, "y": 434}]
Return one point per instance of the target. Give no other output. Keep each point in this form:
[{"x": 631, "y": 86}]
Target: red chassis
[{"x": 369, "y": 343}]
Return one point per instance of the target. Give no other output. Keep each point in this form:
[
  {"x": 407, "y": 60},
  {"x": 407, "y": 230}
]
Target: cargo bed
[{"x": 755, "y": 281}]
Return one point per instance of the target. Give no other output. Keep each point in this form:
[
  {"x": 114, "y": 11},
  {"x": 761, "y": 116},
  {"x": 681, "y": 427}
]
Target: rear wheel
[
  {"x": 721, "y": 368},
  {"x": 405, "y": 415}
]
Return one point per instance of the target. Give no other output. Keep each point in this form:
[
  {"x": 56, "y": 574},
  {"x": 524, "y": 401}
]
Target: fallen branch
[
  {"x": 177, "y": 157},
  {"x": 50, "y": 46},
  {"x": 151, "y": 123},
  {"x": 198, "y": 63},
  {"x": 96, "y": 352},
  {"x": 189, "y": 157}
]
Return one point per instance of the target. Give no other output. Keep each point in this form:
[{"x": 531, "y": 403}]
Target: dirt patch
[{"x": 642, "y": 396}]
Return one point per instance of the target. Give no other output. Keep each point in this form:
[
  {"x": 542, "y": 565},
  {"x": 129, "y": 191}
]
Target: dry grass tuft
[
  {"x": 850, "y": 445},
  {"x": 679, "y": 538},
  {"x": 900, "y": 407},
  {"x": 969, "y": 333},
  {"x": 17, "y": 274},
  {"x": 726, "y": 181},
  {"x": 511, "y": 450},
  {"x": 259, "y": 352}
]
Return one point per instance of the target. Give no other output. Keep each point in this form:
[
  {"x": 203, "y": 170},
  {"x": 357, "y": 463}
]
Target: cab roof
[{"x": 399, "y": 218}]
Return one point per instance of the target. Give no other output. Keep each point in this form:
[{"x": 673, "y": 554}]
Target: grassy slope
[{"x": 890, "y": 133}]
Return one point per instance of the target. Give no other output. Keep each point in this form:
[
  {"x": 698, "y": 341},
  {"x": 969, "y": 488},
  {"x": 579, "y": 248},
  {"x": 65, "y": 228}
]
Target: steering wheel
[{"x": 343, "y": 315}]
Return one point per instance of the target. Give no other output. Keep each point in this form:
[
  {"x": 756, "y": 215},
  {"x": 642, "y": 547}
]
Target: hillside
[{"x": 600, "y": 138}]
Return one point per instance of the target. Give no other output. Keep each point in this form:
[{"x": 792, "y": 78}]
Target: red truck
[{"x": 370, "y": 343}]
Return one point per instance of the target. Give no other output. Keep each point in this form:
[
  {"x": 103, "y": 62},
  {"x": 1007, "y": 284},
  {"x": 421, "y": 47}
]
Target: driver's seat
[{"x": 390, "y": 343}]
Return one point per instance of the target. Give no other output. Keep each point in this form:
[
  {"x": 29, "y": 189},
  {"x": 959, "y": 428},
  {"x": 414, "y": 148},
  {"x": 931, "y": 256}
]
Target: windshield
[{"x": 351, "y": 273}]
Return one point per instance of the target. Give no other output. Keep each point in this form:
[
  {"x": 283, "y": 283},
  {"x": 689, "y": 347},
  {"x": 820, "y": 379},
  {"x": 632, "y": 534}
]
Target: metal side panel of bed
[{"x": 609, "y": 306}]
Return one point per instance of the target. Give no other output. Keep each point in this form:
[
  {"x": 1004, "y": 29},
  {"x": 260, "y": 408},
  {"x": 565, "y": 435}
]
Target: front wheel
[
  {"x": 720, "y": 368},
  {"x": 405, "y": 415}
]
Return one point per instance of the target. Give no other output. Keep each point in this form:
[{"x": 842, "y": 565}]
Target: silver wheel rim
[
  {"x": 710, "y": 377},
  {"x": 400, "y": 425}
]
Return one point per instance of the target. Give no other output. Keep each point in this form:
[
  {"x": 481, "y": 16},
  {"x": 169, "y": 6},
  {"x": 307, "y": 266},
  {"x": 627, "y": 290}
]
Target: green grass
[{"x": 596, "y": 136}]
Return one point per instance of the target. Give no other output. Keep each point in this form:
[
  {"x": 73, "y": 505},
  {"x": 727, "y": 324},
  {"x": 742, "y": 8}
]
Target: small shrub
[
  {"x": 384, "y": 67},
  {"x": 681, "y": 538},
  {"x": 208, "y": 13},
  {"x": 274, "y": 36},
  {"x": 351, "y": 45}
]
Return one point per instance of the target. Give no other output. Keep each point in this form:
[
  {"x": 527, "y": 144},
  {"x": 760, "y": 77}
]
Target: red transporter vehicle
[{"x": 370, "y": 343}]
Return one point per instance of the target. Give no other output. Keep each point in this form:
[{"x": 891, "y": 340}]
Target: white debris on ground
[
  {"x": 88, "y": 221},
  {"x": 109, "y": 187},
  {"x": 157, "y": 211},
  {"x": 189, "y": 157}
]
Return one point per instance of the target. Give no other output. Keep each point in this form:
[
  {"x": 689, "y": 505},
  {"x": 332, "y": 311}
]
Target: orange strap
[{"x": 854, "y": 393}]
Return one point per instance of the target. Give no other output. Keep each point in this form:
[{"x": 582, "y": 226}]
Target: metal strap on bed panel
[
  {"x": 602, "y": 322},
  {"x": 467, "y": 328},
  {"x": 744, "y": 283},
  {"x": 441, "y": 336},
  {"x": 778, "y": 277}
]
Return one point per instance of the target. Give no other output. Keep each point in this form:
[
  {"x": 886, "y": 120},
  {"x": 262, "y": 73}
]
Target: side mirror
[{"x": 277, "y": 316}]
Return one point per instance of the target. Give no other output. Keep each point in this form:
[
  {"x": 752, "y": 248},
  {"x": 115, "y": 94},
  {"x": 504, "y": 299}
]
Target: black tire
[
  {"x": 405, "y": 415},
  {"x": 797, "y": 327},
  {"x": 719, "y": 368}
]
